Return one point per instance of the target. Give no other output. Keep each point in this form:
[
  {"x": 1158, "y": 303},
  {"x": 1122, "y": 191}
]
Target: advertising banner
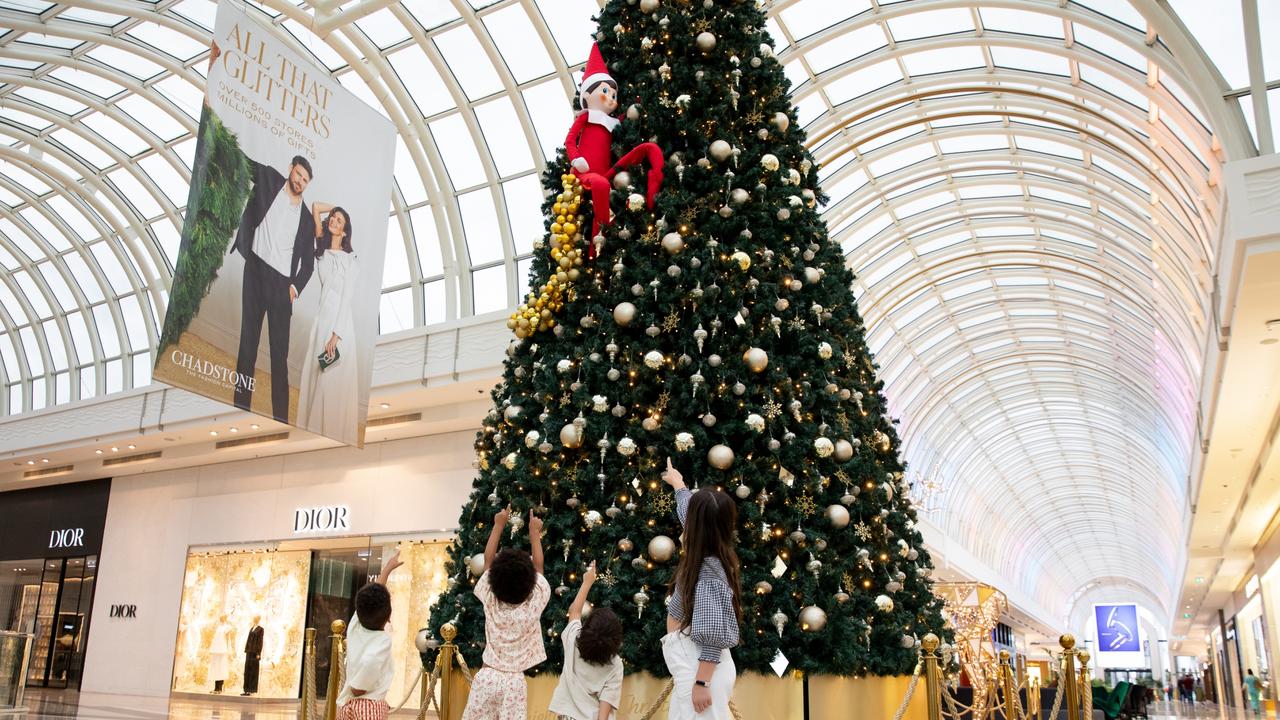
[
  {"x": 274, "y": 305},
  {"x": 1117, "y": 628}
]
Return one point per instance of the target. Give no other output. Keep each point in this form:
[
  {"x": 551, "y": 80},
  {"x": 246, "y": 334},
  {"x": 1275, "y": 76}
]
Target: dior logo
[
  {"x": 124, "y": 611},
  {"x": 70, "y": 537},
  {"x": 321, "y": 519}
]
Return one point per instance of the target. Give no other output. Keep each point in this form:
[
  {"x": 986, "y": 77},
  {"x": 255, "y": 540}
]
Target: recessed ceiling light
[
  {"x": 98, "y": 451},
  {"x": 31, "y": 462},
  {"x": 235, "y": 430},
  {"x": 115, "y": 449},
  {"x": 253, "y": 426},
  {"x": 384, "y": 406},
  {"x": 213, "y": 433},
  {"x": 44, "y": 460},
  {"x": 132, "y": 446}
]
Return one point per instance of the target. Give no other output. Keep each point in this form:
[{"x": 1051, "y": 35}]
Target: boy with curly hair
[
  {"x": 370, "y": 668},
  {"x": 590, "y": 685},
  {"x": 514, "y": 593}
]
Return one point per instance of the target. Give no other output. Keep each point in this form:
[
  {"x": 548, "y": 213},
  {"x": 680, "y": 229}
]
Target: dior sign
[
  {"x": 66, "y": 538},
  {"x": 321, "y": 519}
]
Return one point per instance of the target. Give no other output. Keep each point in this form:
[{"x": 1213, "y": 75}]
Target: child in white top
[
  {"x": 370, "y": 668},
  {"x": 590, "y": 685},
  {"x": 514, "y": 593}
]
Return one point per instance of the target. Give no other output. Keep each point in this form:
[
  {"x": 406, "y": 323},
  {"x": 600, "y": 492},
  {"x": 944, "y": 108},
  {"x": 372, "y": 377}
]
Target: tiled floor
[{"x": 65, "y": 705}]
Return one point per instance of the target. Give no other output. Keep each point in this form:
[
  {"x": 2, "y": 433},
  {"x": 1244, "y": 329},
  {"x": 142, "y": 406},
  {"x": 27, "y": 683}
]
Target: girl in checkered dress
[{"x": 705, "y": 608}]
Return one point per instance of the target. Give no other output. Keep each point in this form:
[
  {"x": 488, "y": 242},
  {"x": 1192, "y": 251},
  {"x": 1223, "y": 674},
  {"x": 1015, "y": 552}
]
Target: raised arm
[
  {"x": 389, "y": 566},
  {"x": 579, "y": 602},
  {"x": 672, "y": 477},
  {"x": 535, "y": 541},
  {"x": 318, "y": 209},
  {"x": 495, "y": 536}
]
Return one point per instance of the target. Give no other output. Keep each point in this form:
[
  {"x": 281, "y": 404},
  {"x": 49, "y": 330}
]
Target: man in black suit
[
  {"x": 252, "y": 654},
  {"x": 277, "y": 238}
]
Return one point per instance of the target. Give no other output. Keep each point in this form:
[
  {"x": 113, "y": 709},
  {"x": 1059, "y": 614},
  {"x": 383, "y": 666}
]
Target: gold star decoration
[
  {"x": 648, "y": 462},
  {"x": 772, "y": 409},
  {"x": 663, "y": 399},
  {"x": 701, "y": 25},
  {"x": 843, "y": 477},
  {"x": 850, "y": 359},
  {"x": 786, "y": 261},
  {"x": 566, "y": 399},
  {"x": 609, "y": 579},
  {"x": 650, "y": 235},
  {"x": 687, "y": 215},
  {"x": 755, "y": 117},
  {"x": 863, "y": 531},
  {"x": 671, "y": 322},
  {"x": 806, "y": 505},
  {"x": 662, "y": 503},
  {"x": 796, "y": 323}
]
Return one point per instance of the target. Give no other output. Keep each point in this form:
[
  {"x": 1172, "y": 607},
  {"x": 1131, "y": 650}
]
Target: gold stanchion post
[
  {"x": 932, "y": 677},
  {"x": 335, "y": 661},
  {"x": 1069, "y": 680},
  {"x": 1086, "y": 685},
  {"x": 309, "y": 678},
  {"x": 445, "y": 662},
  {"x": 1007, "y": 686}
]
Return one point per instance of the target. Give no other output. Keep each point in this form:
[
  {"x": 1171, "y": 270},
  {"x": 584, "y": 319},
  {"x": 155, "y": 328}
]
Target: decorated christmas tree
[{"x": 700, "y": 313}]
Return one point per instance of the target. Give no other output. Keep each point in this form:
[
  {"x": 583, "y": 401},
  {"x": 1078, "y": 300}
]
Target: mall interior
[{"x": 1063, "y": 223}]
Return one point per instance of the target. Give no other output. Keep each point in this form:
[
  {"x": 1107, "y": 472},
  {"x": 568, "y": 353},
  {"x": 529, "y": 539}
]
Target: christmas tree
[{"x": 719, "y": 329}]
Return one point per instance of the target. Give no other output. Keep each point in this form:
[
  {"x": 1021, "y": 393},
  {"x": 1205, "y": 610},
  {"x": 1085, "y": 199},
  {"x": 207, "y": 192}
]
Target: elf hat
[{"x": 595, "y": 70}]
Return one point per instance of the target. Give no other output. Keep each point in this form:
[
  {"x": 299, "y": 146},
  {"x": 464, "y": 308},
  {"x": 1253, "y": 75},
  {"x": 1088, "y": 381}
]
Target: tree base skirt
[{"x": 757, "y": 697}]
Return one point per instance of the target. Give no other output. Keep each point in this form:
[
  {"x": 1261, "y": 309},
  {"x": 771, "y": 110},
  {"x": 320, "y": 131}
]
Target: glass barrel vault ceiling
[{"x": 1027, "y": 190}]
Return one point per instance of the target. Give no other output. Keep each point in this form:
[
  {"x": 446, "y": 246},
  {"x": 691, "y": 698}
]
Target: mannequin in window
[
  {"x": 220, "y": 651},
  {"x": 252, "y": 654}
]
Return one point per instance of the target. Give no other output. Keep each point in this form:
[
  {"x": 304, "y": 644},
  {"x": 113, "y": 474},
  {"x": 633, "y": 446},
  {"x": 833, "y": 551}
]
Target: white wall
[{"x": 411, "y": 485}]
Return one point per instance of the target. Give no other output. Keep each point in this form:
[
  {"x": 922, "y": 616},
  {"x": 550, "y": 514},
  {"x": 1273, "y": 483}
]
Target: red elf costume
[{"x": 589, "y": 145}]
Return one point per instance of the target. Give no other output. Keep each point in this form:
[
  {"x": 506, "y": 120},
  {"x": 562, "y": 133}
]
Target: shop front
[
  {"x": 50, "y": 539},
  {"x": 245, "y": 610}
]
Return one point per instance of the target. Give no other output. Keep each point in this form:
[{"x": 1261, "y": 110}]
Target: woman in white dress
[{"x": 329, "y": 397}]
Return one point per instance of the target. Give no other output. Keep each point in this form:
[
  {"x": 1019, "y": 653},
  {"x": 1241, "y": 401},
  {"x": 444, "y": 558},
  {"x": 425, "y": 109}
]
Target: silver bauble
[
  {"x": 592, "y": 519},
  {"x": 782, "y": 121},
  {"x": 813, "y": 619},
  {"x": 720, "y": 457},
  {"x": 423, "y": 641},
  {"x": 648, "y": 7},
  {"x": 512, "y": 412},
  {"x": 907, "y": 641},
  {"x": 884, "y": 603},
  {"x": 739, "y": 196},
  {"x": 613, "y": 374},
  {"x": 743, "y": 492},
  {"x": 475, "y": 564},
  {"x": 714, "y": 360},
  {"x": 654, "y": 359},
  {"x": 649, "y": 423},
  {"x": 621, "y": 180},
  {"x": 532, "y": 438},
  {"x": 706, "y": 41},
  {"x": 844, "y": 450},
  {"x": 709, "y": 420},
  {"x": 625, "y": 545},
  {"x": 661, "y": 548},
  {"x": 720, "y": 150},
  {"x": 672, "y": 243}
]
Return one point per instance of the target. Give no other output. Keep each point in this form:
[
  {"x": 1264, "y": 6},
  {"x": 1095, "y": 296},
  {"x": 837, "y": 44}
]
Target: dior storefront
[{"x": 50, "y": 539}]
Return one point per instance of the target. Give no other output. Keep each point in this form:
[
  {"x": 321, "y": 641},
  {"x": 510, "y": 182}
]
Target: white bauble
[
  {"x": 743, "y": 492},
  {"x": 844, "y": 450},
  {"x": 475, "y": 564},
  {"x": 813, "y": 619},
  {"x": 571, "y": 436},
  {"x": 770, "y": 162},
  {"x": 600, "y": 403},
  {"x": 706, "y": 41},
  {"x": 423, "y": 641},
  {"x": 884, "y": 603},
  {"x": 624, "y": 313},
  {"x": 838, "y": 516},
  {"x": 532, "y": 438},
  {"x": 824, "y": 350},
  {"x": 720, "y": 150},
  {"x": 509, "y": 462},
  {"x": 756, "y": 359},
  {"x": 626, "y": 447},
  {"x": 739, "y": 196},
  {"x": 755, "y": 422},
  {"x": 720, "y": 457},
  {"x": 648, "y": 7},
  {"x": 684, "y": 441},
  {"x": 672, "y": 243},
  {"x": 653, "y": 359},
  {"x": 661, "y": 548},
  {"x": 622, "y": 180},
  {"x": 907, "y": 641},
  {"x": 782, "y": 121},
  {"x": 824, "y": 447},
  {"x": 564, "y": 365},
  {"x": 812, "y": 275},
  {"x": 512, "y": 412},
  {"x": 592, "y": 519},
  {"x": 635, "y": 201}
]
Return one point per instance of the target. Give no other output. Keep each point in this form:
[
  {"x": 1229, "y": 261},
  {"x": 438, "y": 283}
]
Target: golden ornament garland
[{"x": 538, "y": 312}]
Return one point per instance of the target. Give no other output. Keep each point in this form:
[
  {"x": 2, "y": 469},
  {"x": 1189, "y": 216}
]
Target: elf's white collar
[{"x": 602, "y": 118}]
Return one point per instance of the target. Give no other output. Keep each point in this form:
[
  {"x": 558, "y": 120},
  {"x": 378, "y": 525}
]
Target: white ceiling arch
[{"x": 1028, "y": 190}]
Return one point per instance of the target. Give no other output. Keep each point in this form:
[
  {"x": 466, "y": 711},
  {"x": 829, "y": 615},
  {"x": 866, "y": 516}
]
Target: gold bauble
[
  {"x": 624, "y": 313},
  {"x": 571, "y": 436},
  {"x": 743, "y": 260},
  {"x": 661, "y": 548}
]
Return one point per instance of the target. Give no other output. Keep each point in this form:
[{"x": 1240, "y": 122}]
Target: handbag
[{"x": 326, "y": 361}]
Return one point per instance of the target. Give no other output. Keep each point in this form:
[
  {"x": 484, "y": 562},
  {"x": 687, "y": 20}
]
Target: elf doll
[{"x": 589, "y": 145}]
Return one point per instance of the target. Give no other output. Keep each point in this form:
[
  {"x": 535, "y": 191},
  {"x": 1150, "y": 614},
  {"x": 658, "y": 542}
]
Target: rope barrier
[
  {"x": 466, "y": 671},
  {"x": 1086, "y": 694},
  {"x": 417, "y": 679},
  {"x": 911, "y": 690},
  {"x": 662, "y": 697},
  {"x": 430, "y": 696}
]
